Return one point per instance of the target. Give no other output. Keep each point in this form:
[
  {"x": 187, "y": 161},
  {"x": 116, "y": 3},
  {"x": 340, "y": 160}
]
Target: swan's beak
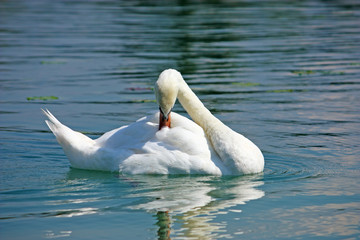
[{"x": 165, "y": 120}]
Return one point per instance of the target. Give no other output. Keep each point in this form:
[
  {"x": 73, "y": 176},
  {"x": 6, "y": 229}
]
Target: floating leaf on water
[
  {"x": 143, "y": 101},
  {"x": 246, "y": 84},
  {"x": 140, "y": 88},
  {"x": 42, "y": 98},
  {"x": 302, "y": 72},
  {"x": 332, "y": 73},
  {"x": 280, "y": 90},
  {"x": 323, "y": 72}
]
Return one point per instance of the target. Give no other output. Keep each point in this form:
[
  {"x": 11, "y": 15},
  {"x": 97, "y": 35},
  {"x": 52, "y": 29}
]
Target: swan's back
[{"x": 181, "y": 149}]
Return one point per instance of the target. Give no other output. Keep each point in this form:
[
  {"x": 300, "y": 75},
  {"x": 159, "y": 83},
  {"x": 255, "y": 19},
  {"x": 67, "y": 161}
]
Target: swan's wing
[
  {"x": 181, "y": 149},
  {"x": 132, "y": 136}
]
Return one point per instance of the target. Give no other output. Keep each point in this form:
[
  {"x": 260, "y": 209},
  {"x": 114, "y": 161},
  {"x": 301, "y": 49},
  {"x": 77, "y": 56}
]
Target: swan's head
[{"x": 166, "y": 91}]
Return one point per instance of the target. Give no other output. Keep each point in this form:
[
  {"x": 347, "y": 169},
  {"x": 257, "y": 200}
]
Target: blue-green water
[{"x": 286, "y": 74}]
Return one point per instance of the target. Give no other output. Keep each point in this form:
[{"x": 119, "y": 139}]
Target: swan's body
[{"x": 204, "y": 147}]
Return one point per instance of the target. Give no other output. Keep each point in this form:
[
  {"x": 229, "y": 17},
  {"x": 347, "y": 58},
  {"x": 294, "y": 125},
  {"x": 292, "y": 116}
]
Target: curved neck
[{"x": 195, "y": 108}]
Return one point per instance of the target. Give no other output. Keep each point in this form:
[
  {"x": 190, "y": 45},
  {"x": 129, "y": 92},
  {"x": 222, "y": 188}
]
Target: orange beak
[{"x": 164, "y": 121}]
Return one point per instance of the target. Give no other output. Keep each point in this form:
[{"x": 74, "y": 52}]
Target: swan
[{"x": 164, "y": 142}]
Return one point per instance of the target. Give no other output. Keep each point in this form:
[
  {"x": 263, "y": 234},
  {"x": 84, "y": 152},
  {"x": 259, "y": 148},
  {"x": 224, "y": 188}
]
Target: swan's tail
[
  {"x": 75, "y": 144},
  {"x": 52, "y": 123}
]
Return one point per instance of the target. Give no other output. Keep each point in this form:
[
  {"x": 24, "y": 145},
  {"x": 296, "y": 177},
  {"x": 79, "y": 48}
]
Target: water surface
[{"x": 284, "y": 74}]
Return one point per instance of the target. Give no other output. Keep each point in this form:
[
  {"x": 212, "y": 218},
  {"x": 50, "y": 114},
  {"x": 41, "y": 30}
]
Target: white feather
[{"x": 205, "y": 146}]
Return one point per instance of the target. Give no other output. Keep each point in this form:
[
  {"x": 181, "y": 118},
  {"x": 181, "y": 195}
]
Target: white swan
[{"x": 179, "y": 147}]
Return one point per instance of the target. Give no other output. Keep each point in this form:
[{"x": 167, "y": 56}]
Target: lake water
[{"x": 286, "y": 74}]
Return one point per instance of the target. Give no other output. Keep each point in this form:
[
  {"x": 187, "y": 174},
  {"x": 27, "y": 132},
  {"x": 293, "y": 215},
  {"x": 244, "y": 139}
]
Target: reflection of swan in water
[
  {"x": 184, "y": 205},
  {"x": 194, "y": 201},
  {"x": 164, "y": 223}
]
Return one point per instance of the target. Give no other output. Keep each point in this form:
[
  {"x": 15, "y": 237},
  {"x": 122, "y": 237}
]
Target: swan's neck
[{"x": 195, "y": 108}]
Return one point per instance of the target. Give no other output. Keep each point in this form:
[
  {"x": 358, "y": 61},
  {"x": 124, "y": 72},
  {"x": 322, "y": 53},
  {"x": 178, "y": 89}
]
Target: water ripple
[{"x": 283, "y": 73}]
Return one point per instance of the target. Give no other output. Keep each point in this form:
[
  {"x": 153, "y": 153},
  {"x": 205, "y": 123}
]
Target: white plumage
[{"x": 205, "y": 146}]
